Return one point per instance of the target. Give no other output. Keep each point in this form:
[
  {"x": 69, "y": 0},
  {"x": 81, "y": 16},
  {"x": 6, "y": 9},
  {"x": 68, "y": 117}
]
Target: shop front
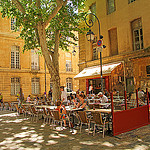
[{"x": 93, "y": 80}]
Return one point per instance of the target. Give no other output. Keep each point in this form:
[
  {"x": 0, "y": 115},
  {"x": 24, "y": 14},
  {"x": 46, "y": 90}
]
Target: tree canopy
[{"x": 28, "y": 13}]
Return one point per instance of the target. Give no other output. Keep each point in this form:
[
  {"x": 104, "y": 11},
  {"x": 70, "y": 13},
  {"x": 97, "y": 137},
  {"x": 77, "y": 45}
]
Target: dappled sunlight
[
  {"x": 24, "y": 128},
  {"x": 62, "y": 135},
  {"x": 141, "y": 147},
  {"x": 51, "y": 142},
  {"x": 107, "y": 144},
  {"x": 15, "y": 121},
  {"x": 54, "y": 136},
  {"x": 9, "y": 115},
  {"x": 87, "y": 143}
]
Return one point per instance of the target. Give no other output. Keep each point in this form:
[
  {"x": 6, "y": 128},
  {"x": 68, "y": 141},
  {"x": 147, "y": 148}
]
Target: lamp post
[{"x": 90, "y": 37}]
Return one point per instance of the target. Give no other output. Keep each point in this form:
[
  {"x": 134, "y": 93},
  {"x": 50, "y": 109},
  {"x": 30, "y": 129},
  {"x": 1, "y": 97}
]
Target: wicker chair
[
  {"x": 10, "y": 106},
  {"x": 98, "y": 121},
  {"x": 84, "y": 120},
  {"x": 34, "y": 113},
  {"x": 46, "y": 115},
  {"x": 57, "y": 117},
  {"x": 25, "y": 111}
]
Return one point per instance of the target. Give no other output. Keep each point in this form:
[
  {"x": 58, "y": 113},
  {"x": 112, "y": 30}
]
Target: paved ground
[{"x": 19, "y": 133}]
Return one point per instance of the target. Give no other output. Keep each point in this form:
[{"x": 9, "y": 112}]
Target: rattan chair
[
  {"x": 1, "y": 107},
  {"x": 50, "y": 116},
  {"x": 10, "y": 106},
  {"x": 84, "y": 120},
  {"x": 25, "y": 111},
  {"x": 35, "y": 113},
  {"x": 46, "y": 115},
  {"x": 57, "y": 117},
  {"x": 98, "y": 121}
]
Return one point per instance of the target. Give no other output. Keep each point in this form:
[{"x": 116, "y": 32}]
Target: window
[
  {"x": 130, "y": 1},
  {"x": 68, "y": 65},
  {"x": 35, "y": 83},
  {"x": 69, "y": 83},
  {"x": 13, "y": 24},
  {"x": 34, "y": 60},
  {"x": 148, "y": 70},
  {"x": 137, "y": 32},
  {"x": 15, "y": 57},
  {"x": 113, "y": 41},
  {"x": 110, "y": 6},
  {"x": 93, "y": 10},
  {"x": 94, "y": 46},
  {"x": 15, "y": 86}
]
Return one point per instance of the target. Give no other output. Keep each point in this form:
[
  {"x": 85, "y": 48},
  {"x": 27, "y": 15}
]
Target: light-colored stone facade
[
  {"x": 118, "y": 25},
  {"x": 25, "y": 73}
]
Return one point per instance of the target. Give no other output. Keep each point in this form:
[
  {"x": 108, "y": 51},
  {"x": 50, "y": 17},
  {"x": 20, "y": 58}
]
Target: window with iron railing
[
  {"x": 35, "y": 83},
  {"x": 15, "y": 86},
  {"x": 15, "y": 57},
  {"x": 94, "y": 46}
]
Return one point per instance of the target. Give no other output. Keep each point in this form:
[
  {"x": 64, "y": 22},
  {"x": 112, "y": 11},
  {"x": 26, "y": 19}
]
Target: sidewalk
[{"x": 19, "y": 133}]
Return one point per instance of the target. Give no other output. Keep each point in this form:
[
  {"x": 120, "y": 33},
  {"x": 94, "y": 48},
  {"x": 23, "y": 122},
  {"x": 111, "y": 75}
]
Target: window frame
[
  {"x": 34, "y": 60},
  {"x": 15, "y": 57},
  {"x": 69, "y": 83},
  {"x": 35, "y": 85},
  {"x": 108, "y": 8},
  {"x": 15, "y": 85},
  {"x": 138, "y": 28}
]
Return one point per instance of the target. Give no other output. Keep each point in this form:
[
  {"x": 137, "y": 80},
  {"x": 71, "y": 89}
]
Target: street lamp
[{"x": 90, "y": 37}]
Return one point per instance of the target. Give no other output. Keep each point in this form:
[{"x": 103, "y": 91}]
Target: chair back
[
  {"x": 48, "y": 103},
  {"x": 16, "y": 105},
  {"x": 29, "y": 109},
  {"x": 97, "y": 106},
  {"x": 24, "y": 108},
  {"x": 97, "y": 118},
  {"x": 45, "y": 112},
  {"x": 33, "y": 110},
  {"x": 43, "y": 103},
  {"x": 49, "y": 111},
  {"x": 83, "y": 116},
  {"x": 9, "y": 104},
  {"x": 90, "y": 106},
  {"x": 56, "y": 114}
]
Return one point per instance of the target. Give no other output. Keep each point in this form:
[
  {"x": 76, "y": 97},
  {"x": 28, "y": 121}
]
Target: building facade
[
  {"x": 27, "y": 70},
  {"x": 126, "y": 34}
]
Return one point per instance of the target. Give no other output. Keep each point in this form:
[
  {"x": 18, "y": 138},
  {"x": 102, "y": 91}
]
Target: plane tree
[{"x": 45, "y": 25}]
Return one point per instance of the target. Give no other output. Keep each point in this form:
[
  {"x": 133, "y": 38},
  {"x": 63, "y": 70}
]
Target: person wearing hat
[{"x": 102, "y": 97}]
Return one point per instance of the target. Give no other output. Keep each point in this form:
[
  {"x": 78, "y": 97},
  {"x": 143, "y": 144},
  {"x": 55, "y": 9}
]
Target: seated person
[
  {"x": 83, "y": 103},
  {"x": 103, "y": 99},
  {"x": 62, "y": 111}
]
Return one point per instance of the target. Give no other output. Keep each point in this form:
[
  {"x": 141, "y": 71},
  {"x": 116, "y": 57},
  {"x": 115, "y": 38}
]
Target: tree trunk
[{"x": 52, "y": 64}]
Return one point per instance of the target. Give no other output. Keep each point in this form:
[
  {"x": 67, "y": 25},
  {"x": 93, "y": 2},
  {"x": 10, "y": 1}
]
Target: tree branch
[
  {"x": 18, "y": 5},
  {"x": 60, "y": 3}
]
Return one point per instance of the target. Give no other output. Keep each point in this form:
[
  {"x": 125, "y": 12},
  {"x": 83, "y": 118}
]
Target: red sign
[{"x": 99, "y": 42}]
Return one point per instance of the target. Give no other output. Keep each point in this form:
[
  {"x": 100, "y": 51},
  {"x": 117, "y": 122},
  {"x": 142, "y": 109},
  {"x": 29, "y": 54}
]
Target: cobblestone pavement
[{"x": 19, "y": 133}]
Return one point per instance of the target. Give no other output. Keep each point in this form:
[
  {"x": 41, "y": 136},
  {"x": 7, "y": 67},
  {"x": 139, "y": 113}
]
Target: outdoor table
[
  {"x": 45, "y": 106},
  {"x": 27, "y": 104}
]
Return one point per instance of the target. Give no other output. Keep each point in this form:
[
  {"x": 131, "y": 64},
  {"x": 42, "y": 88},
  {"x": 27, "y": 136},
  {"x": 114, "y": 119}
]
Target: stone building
[
  {"x": 124, "y": 25},
  {"x": 27, "y": 71}
]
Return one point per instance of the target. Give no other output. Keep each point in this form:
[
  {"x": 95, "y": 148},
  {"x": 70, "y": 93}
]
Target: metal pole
[
  {"x": 45, "y": 77},
  {"x": 101, "y": 78}
]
